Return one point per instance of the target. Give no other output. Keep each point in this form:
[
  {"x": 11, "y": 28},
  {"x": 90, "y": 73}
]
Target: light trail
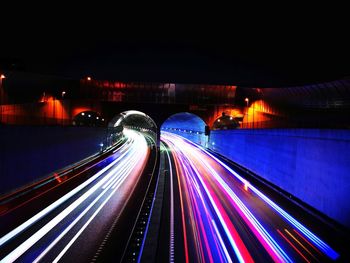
[
  {"x": 85, "y": 198},
  {"x": 54, "y": 205},
  {"x": 119, "y": 178},
  {"x": 218, "y": 203}
]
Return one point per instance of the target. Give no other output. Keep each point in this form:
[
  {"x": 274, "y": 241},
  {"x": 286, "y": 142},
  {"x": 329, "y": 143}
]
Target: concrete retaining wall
[
  {"x": 313, "y": 165},
  {"x": 29, "y": 153}
]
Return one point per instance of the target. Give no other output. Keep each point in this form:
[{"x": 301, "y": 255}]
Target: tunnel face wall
[
  {"x": 187, "y": 125},
  {"x": 311, "y": 164},
  {"x": 30, "y": 153}
]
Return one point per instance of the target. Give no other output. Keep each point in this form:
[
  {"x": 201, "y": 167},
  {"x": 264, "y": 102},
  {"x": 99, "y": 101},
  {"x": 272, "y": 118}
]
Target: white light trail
[{"x": 119, "y": 174}]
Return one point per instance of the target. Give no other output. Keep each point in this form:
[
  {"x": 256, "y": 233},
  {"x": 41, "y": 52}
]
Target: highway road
[
  {"x": 216, "y": 215},
  {"x": 74, "y": 226},
  {"x": 99, "y": 212}
]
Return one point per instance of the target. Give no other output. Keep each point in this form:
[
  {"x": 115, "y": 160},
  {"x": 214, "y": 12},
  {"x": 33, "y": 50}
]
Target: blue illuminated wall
[
  {"x": 29, "y": 153},
  {"x": 313, "y": 165},
  {"x": 187, "y": 125}
]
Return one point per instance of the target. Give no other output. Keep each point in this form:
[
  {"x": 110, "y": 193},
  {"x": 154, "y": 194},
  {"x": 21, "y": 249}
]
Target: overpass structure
[{"x": 65, "y": 102}]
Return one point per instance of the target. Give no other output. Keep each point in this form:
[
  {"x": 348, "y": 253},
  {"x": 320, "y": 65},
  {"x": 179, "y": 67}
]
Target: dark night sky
[{"x": 170, "y": 46}]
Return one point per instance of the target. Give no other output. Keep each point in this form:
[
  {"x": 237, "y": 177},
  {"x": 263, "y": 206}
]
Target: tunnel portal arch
[
  {"x": 136, "y": 120},
  {"x": 187, "y": 125},
  {"x": 225, "y": 122},
  {"x": 133, "y": 119},
  {"x": 89, "y": 118}
]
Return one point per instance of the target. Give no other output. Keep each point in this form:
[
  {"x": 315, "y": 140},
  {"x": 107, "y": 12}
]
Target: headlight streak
[
  {"x": 239, "y": 249},
  {"x": 115, "y": 187},
  {"x": 41, "y": 183},
  {"x": 198, "y": 229},
  {"x": 180, "y": 146},
  {"x": 120, "y": 176},
  {"x": 54, "y": 205},
  {"x": 182, "y": 216},
  {"x": 312, "y": 237},
  {"x": 219, "y": 244},
  {"x": 270, "y": 245},
  {"x": 291, "y": 244},
  {"x": 275, "y": 251},
  {"x": 124, "y": 165},
  {"x": 299, "y": 243},
  {"x": 307, "y": 242},
  {"x": 224, "y": 249},
  {"x": 117, "y": 176},
  {"x": 188, "y": 198}
]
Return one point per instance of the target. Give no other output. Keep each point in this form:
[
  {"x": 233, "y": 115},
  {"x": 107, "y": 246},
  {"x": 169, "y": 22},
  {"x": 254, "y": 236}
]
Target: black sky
[{"x": 197, "y": 47}]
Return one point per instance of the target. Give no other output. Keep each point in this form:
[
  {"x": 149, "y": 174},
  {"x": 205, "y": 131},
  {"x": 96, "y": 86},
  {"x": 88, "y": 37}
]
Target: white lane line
[{"x": 171, "y": 242}]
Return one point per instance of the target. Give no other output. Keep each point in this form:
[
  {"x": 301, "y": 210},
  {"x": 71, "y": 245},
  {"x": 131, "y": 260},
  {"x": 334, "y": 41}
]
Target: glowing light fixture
[{"x": 246, "y": 186}]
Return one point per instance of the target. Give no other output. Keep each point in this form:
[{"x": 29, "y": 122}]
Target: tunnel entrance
[
  {"x": 187, "y": 125},
  {"x": 135, "y": 120},
  {"x": 225, "y": 122},
  {"x": 89, "y": 118}
]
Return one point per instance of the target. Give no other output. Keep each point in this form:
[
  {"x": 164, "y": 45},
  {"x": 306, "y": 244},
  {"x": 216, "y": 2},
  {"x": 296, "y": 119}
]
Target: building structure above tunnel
[{"x": 299, "y": 106}]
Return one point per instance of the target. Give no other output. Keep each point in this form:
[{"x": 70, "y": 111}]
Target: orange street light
[
  {"x": 247, "y": 101},
  {"x": 88, "y": 78},
  {"x": 2, "y": 76}
]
